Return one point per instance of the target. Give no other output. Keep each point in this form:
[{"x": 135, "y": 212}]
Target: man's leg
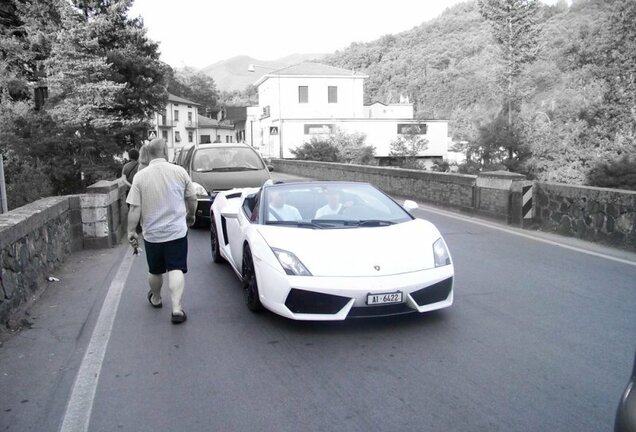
[
  {"x": 155, "y": 281},
  {"x": 176, "y": 282}
]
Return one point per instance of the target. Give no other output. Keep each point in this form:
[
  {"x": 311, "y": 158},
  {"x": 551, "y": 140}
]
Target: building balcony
[
  {"x": 166, "y": 124},
  {"x": 190, "y": 124}
]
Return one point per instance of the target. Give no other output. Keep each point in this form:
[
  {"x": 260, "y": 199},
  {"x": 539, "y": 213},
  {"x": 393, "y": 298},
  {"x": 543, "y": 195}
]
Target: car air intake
[
  {"x": 433, "y": 293},
  {"x": 309, "y": 302}
]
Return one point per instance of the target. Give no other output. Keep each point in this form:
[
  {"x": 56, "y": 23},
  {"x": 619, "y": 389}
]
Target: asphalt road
[{"x": 540, "y": 338}]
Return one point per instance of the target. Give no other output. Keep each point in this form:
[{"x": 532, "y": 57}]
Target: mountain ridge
[{"x": 232, "y": 74}]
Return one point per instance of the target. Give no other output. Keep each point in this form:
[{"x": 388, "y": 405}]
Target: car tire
[
  {"x": 250, "y": 286},
  {"x": 214, "y": 243}
]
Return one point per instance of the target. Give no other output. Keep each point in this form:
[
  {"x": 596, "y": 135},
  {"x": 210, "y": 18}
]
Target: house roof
[
  {"x": 312, "y": 69},
  {"x": 206, "y": 122},
  {"x": 179, "y": 99}
]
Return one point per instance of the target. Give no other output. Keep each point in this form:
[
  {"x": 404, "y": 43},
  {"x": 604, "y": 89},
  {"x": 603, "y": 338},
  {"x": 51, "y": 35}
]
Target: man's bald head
[{"x": 158, "y": 148}]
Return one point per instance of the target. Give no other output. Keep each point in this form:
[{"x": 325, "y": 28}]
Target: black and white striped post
[
  {"x": 521, "y": 210},
  {"x": 527, "y": 209}
]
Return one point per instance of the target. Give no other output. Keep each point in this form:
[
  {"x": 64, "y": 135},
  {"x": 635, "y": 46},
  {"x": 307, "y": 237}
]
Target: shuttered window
[
  {"x": 303, "y": 94},
  {"x": 332, "y": 94}
]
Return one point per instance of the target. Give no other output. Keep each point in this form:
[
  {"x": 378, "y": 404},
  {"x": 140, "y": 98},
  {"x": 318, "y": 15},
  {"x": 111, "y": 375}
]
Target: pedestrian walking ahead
[{"x": 163, "y": 198}]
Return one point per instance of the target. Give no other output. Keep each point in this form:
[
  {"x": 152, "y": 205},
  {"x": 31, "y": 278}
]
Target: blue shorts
[{"x": 167, "y": 256}]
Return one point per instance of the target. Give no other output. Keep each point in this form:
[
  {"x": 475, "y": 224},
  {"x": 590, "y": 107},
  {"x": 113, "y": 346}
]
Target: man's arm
[
  {"x": 134, "y": 215},
  {"x": 191, "y": 209}
]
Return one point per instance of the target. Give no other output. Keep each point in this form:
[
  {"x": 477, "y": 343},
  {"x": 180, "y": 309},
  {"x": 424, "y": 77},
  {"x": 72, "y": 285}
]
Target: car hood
[
  {"x": 224, "y": 180},
  {"x": 358, "y": 252}
]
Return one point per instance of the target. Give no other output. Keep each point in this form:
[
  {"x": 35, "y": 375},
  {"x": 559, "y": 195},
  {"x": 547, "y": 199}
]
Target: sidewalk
[{"x": 35, "y": 361}]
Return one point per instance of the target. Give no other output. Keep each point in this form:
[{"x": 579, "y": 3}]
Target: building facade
[
  {"x": 312, "y": 99},
  {"x": 181, "y": 125},
  {"x": 177, "y": 124}
]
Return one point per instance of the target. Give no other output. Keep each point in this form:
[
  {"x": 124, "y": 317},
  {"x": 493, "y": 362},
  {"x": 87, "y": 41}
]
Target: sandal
[
  {"x": 179, "y": 318},
  {"x": 158, "y": 305}
]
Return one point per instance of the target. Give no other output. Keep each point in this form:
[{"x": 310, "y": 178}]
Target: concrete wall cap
[{"x": 502, "y": 175}]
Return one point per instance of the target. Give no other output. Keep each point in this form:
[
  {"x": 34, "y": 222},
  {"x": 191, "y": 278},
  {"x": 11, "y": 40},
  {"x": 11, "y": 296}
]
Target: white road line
[
  {"x": 528, "y": 236},
  {"x": 80, "y": 405}
]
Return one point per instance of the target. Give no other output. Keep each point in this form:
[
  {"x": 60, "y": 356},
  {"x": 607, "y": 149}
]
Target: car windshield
[
  {"x": 330, "y": 205},
  {"x": 226, "y": 159}
]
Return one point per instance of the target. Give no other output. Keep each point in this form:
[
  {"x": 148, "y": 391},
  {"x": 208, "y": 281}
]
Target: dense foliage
[
  {"x": 195, "y": 86},
  {"x": 573, "y": 96},
  {"x": 340, "y": 147},
  {"x": 78, "y": 82}
]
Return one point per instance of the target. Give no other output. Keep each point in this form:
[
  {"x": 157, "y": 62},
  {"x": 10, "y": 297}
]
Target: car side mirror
[
  {"x": 409, "y": 205},
  {"x": 270, "y": 167}
]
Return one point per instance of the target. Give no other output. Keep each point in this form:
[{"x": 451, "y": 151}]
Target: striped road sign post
[{"x": 527, "y": 208}]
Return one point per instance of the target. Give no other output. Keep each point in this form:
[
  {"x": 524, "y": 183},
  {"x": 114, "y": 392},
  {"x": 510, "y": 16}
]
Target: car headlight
[
  {"x": 198, "y": 189},
  {"x": 290, "y": 263},
  {"x": 440, "y": 252}
]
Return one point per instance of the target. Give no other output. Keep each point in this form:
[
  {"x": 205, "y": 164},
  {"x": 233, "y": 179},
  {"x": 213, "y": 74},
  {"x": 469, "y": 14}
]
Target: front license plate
[{"x": 384, "y": 298}]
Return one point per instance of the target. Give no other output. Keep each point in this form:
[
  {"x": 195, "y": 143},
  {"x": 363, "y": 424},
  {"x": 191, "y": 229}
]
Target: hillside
[
  {"x": 449, "y": 69},
  {"x": 232, "y": 74}
]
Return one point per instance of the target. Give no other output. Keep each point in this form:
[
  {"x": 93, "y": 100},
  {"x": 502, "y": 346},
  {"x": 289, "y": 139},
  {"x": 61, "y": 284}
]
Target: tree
[
  {"x": 351, "y": 147},
  {"x": 407, "y": 147},
  {"x": 134, "y": 62},
  {"x": 196, "y": 86},
  {"x": 95, "y": 77},
  {"x": 514, "y": 28}
]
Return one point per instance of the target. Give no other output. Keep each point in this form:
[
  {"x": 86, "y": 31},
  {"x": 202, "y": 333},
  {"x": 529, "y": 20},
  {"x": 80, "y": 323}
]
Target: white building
[
  {"x": 177, "y": 124},
  {"x": 311, "y": 99},
  {"x": 181, "y": 126}
]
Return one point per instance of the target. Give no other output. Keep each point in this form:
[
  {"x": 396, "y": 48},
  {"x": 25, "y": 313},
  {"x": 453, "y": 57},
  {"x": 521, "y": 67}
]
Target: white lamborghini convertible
[{"x": 330, "y": 250}]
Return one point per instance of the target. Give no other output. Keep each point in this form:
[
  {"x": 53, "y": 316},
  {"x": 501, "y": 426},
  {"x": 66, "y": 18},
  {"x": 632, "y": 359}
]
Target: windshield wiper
[
  {"x": 375, "y": 222},
  {"x": 354, "y": 222},
  {"x": 300, "y": 224}
]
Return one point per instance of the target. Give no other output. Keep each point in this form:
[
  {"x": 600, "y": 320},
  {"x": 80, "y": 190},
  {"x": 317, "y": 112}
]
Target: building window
[
  {"x": 190, "y": 137},
  {"x": 189, "y": 116},
  {"x": 164, "y": 135},
  {"x": 205, "y": 139},
  {"x": 332, "y": 94},
  {"x": 177, "y": 137},
  {"x": 176, "y": 115},
  {"x": 228, "y": 138},
  {"x": 319, "y": 129},
  {"x": 303, "y": 94}
]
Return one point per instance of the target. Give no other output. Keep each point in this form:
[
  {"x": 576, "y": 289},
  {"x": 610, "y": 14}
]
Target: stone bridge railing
[
  {"x": 36, "y": 238},
  {"x": 595, "y": 214}
]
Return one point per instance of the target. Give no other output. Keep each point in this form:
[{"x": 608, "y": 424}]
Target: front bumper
[
  {"x": 204, "y": 203},
  {"x": 337, "y": 298}
]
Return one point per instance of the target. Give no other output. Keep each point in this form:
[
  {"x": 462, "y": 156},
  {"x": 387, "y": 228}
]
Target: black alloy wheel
[
  {"x": 250, "y": 287},
  {"x": 214, "y": 242}
]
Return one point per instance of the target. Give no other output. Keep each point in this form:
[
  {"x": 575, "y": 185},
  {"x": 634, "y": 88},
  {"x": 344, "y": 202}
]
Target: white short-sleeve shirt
[{"x": 161, "y": 190}]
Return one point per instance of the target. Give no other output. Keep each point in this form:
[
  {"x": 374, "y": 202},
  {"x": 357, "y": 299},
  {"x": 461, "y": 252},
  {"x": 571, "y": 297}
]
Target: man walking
[{"x": 163, "y": 198}]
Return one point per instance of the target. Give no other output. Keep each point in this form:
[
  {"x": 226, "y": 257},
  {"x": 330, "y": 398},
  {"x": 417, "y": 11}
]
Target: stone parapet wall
[
  {"x": 589, "y": 213},
  {"x": 36, "y": 238},
  {"x": 451, "y": 190},
  {"x": 595, "y": 214}
]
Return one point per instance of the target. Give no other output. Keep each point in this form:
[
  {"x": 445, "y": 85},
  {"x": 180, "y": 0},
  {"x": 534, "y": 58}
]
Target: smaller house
[{"x": 215, "y": 131}]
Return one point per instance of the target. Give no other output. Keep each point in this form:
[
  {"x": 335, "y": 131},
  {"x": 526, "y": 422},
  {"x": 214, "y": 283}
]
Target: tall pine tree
[{"x": 515, "y": 29}]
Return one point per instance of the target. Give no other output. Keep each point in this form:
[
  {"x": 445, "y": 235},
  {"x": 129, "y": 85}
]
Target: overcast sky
[{"x": 198, "y": 33}]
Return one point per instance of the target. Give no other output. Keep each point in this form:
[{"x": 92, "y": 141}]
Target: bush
[
  {"x": 317, "y": 149},
  {"x": 617, "y": 174},
  {"x": 26, "y": 181},
  {"x": 340, "y": 147}
]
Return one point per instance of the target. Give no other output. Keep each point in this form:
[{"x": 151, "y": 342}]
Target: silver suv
[{"x": 218, "y": 167}]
